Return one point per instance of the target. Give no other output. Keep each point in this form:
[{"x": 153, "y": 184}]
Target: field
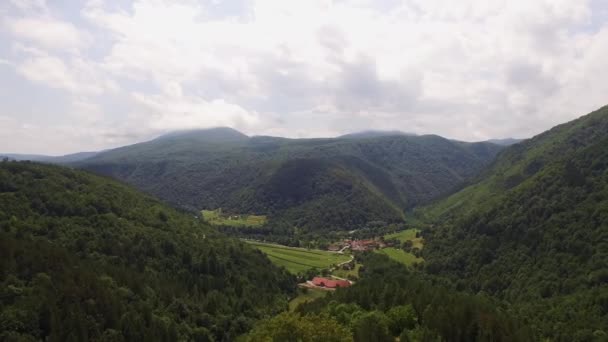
[
  {"x": 400, "y": 255},
  {"x": 306, "y": 296},
  {"x": 407, "y": 235},
  {"x": 297, "y": 260},
  {"x": 215, "y": 217}
]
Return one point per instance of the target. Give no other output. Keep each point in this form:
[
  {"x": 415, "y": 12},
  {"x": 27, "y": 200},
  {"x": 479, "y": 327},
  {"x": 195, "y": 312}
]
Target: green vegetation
[
  {"x": 407, "y": 235},
  {"x": 304, "y": 296},
  {"x": 533, "y": 231},
  {"x": 295, "y": 328},
  {"x": 216, "y": 217},
  {"x": 316, "y": 185},
  {"x": 389, "y": 302},
  {"x": 86, "y": 258},
  {"x": 348, "y": 274},
  {"x": 401, "y": 256},
  {"x": 299, "y": 260}
]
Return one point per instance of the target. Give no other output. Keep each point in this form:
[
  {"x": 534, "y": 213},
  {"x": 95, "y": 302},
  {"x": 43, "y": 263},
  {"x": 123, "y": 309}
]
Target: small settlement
[{"x": 358, "y": 245}]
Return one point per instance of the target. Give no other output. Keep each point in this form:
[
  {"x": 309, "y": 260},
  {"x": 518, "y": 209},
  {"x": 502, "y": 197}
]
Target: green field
[
  {"x": 297, "y": 260},
  {"x": 400, "y": 255},
  {"x": 216, "y": 217},
  {"x": 407, "y": 235},
  {"x": 306, "y": 296}
]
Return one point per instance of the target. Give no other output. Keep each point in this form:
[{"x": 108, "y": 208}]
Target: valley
[{"x": 427, "y": 238}]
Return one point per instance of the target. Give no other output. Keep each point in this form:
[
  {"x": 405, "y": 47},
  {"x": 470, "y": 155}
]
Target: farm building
[
  {"x": 366, "y": 245},
  {"x": 330, "y": 283}
]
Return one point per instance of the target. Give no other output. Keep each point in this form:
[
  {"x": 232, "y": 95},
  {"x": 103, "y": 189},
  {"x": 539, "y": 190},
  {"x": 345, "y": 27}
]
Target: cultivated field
[
  {"x": 400, "y": 255},
  {"x": 297, "y": 260},
  {"x": 216, "y": 217},
  {"x": 407, "y": 235}
]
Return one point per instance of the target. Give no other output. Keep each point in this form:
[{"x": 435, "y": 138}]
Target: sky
[{"x": 90, "y": 75}]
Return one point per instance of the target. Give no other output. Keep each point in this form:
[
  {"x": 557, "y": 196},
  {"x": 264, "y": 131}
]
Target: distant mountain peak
[
  {"x": 374, "y": 134},
  {"x": 505, "y": 141},
  {"x": 214, "y": 134}
]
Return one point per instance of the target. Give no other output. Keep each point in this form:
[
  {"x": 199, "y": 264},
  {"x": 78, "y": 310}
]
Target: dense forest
[
  {"x": 86, "y": 258},
  {"x": 300, "y": 184},
  {"x": 389, "y": 302},
  {"x": 534, "y": 231}
]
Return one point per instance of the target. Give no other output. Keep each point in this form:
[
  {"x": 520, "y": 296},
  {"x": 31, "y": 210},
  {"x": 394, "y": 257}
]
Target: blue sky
[{"x": 96, "y": 74}]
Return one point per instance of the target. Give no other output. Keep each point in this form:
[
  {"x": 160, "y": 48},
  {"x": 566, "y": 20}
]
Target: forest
[
  {"x": 314, "y": 185},
  {"x": 86, "y": 258},
  {"x": 533, "y": 231},
  {"x": 390, "y": 302}
]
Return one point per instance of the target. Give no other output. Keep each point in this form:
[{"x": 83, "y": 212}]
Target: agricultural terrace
[
  {"x": 299, "y": 260},
  {"x": 216, "y": 217}
]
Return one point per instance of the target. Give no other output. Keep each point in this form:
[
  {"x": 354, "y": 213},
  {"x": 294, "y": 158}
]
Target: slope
[
  {"x": 86, "y": 258},
  {"x": 534, "y": 230},
  {"x": 315, "y": 184}
]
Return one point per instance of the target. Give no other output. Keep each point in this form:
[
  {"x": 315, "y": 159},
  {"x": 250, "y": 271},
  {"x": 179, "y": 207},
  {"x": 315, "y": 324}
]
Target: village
[{"x": 332, "y": 282}]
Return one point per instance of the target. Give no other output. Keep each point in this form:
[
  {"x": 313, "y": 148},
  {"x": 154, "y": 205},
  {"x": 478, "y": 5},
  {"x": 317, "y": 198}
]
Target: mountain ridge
[{"x": 532, "y": 228}]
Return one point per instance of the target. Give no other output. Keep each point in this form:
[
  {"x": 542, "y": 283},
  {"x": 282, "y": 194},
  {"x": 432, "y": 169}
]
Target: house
[
  {"x": 364, "y": 245},
  {"x": 330, "y": 283}
]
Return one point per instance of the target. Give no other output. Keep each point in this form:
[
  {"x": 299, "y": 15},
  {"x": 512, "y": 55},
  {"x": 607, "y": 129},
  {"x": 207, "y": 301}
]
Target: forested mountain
[
  {"x": 388, "y": 302},
  {"x": 533, "y": 230},
  {"x": 316, "y": 184},
  {"x": 68, "y": 158},
  {"x": 86, "y": 258}
]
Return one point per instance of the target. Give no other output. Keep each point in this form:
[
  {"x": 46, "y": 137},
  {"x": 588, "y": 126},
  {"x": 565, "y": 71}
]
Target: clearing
[
  {"x": 299, "y": 260},
  {"x": 400, "y": 255},
  {"x": 407, "y": 235},
  {"x": 216, "y": 217}
]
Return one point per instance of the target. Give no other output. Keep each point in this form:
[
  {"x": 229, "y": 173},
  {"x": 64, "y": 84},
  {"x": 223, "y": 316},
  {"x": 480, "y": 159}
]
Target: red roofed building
[{"x": 330, "y": 283}]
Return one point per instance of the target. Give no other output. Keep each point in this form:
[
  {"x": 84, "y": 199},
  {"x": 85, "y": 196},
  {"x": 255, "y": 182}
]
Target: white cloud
[
  {"x": 48, "y": 33},
  {"x": 470, "y": 69},
  {"x": 173, "y": 110},
  {"x": 77, "y": 77}
]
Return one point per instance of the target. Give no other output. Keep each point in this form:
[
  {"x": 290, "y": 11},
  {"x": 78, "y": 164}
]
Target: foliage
[
  {"x": 295, "y": 328},
  {"x": 533, "y": 231},
  {"x": 85, "y": 258},
  {"x": 390, "y": 301},
  {"x": 308, "y": 184}
]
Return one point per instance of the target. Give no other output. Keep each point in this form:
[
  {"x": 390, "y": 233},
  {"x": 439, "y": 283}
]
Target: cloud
[
  {"x": 77, "y": 77},
  {"x": 48, "y": 33},
  {"x": 471, "y": 69}
]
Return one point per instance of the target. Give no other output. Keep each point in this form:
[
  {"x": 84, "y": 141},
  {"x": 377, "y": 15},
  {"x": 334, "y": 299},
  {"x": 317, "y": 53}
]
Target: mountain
[
  {"x": 373, "y": 134},
  {"x": 86, "y": 258},
  {"x": 68, "y": 158},
  {"x": 315, "y": 184},
  {"x": 504, "y": 142},
  {"x": 208, "y": 135},
  {"x": 533, "y": 230}
]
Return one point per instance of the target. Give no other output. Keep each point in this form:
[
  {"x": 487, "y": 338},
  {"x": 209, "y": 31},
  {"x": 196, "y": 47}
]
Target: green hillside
[
  {"x": 534, "y": 230},
  {"x": 314, "y": 184},
  {"x": 86, "y": 258},
  {"x": 388, "y": 302}
]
